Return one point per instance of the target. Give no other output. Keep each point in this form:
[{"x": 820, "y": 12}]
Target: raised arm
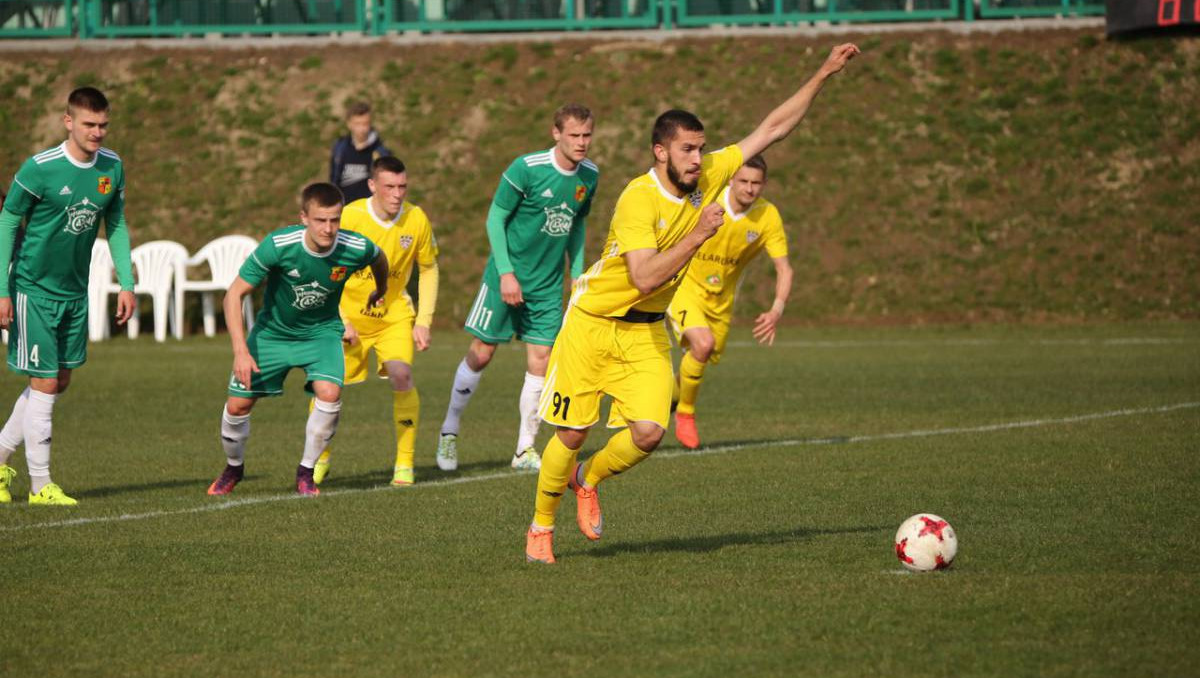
[{"x": 780, "y": 122}]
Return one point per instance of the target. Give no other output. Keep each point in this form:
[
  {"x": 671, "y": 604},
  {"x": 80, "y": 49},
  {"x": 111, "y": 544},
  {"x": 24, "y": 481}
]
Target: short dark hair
[
  {"x": 758, "y": 163},
  {"x": 387, "y": 163},
  {"x": 323, "y": 194},
  {"x": 357, "y": 108},
  {"x": 577, "y": 111},
  {"x": 668, "y": 125},
  {"x": 87, "y": 98}
]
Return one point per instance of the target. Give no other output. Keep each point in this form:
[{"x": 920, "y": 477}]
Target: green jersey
[
  {"x": 304, "y": 287},
  {"x": 62, "y": 201},
  {"x": 540, "y": 208}
]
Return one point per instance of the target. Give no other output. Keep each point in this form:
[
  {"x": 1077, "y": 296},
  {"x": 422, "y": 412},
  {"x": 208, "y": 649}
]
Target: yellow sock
[
  {"x": 691, "y": 372},
  {"x": 557, "y": 462},
  {"x": 617, "y": 456},
  {"x": 406, "y": 411},
  {"x": 324, "y": 458}
]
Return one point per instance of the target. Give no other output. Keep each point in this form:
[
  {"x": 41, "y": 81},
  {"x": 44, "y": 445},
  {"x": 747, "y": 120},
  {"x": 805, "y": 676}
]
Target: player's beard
[{"x": 674, "y": 175}]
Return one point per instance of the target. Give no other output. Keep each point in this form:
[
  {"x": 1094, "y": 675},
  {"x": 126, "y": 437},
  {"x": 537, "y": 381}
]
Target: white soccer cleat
[
  {"x": 527, "y": 460},
  {"x": 447, "y": 452}
]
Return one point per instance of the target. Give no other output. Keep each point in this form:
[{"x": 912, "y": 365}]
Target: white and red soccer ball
[{"x": 926, "y": 542}]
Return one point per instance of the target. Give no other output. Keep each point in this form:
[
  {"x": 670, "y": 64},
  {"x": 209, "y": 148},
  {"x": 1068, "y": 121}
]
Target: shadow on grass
[
  {"x": 716, "y": 542},
  {"x": 199, "y": 483}
]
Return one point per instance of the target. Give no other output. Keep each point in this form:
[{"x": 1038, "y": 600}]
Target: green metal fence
[
  {"x": 516, "y": 15},
  {"x": 1005, "y": 9},
  {"x": 22, "y": 19},
  {"x": 175, "y": 18},
  {"x": 112, "y": 18},
  {"x": 775, "y": 12}
]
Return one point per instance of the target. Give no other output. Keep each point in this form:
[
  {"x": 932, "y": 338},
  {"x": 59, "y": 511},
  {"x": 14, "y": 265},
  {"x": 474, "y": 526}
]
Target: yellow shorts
[
  {"x": 688, "y": 311},
  {"x": 595, "y": 356},
  {"x": 393, "y": 342}
]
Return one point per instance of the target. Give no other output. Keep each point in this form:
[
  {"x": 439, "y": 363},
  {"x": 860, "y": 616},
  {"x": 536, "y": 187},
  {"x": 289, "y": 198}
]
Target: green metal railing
[
  {"x": 169, "y": 18},
  {"x": 775, "y": 12},
  {"x": 516, "y": 15},
  {"x": 178, "y": 18},
  {"x": 1008, "y": 9},
  {"x": 21, "y": 19}
]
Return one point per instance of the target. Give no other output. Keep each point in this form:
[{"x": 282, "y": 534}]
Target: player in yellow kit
[
  {"x": 613, "y": 341},
  {"x": 703, "y": 304},
  {"x": 402, "y": 231}
]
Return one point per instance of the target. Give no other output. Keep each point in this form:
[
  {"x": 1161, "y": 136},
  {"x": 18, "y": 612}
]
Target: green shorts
[
  {"x": 536, "y": 321},
  {"x": 47, "y": 335},
  {"x": 320, "y": 357}
]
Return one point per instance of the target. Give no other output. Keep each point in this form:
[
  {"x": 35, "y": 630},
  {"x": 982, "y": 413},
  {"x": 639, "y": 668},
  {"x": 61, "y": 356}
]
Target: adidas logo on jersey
[
  {"x": 547, "y": 193},
  {"x": 66, "y": 190},
  {"x": 294, "y": 273}
]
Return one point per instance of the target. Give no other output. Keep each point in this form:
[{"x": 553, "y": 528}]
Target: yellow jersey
[
  {"x": 647, "y": 216},
  {"x": 405, "y": 240},
  {"x": 718, "y": 265}
]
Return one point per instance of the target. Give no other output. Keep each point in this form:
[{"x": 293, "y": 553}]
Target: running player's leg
[
  {"x": 571, "y": 402},
  {"x": 490, "y": 323},
  {"x": 691, "y": 327},
  {"x": 274, "y": 361},
  {"x": 324, "y": 367},
  {"x": 11, "y": 437},
  {"x": 394, "y": 351},
  {"x": 537, "y": 323},
  {"x": 356, "y": 373}
]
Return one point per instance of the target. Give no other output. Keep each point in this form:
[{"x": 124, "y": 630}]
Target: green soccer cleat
[
  {"x": 528, "y": 460},
  {"x": 51, "y": 495},
  {"x": 7, "y": 473},
  {"x": 320, "y": 470},
  {"x": 447, "y": 454},
  {"x": 402, "y": 476}
]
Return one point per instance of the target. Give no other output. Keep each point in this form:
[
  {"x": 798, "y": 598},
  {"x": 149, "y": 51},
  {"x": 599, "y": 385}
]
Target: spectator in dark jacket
[{"x": 350, "y": 161}]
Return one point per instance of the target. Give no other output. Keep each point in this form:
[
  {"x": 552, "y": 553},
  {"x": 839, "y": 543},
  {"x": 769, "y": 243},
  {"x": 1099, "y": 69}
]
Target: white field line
[
  {"x": 869, "y": 343},
  {"x": 714, "y": 449}
]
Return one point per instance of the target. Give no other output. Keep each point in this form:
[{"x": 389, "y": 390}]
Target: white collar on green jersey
[
  {"x": 383, "y": 223},
  {"x": 81, "y": 165},
  {"x": 554, "y": 162}
]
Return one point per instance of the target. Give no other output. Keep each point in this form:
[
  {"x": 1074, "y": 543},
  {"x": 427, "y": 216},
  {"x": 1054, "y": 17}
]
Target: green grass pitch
[{"x": 1065, "y": 457}]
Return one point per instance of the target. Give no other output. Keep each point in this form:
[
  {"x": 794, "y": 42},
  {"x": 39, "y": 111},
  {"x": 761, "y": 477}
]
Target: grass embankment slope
[{"x": 1023, "y": 176}]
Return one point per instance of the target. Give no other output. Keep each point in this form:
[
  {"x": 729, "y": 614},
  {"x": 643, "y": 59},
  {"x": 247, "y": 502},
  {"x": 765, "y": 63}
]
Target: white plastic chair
[
  {"x": 224, "y": 257},
  {"x": 157, "y": 265},
  {"x": 100, "y": 286}
]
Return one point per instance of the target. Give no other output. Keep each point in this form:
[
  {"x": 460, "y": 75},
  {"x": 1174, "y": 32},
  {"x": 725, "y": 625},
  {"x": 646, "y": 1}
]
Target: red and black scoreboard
[{"x": 1125, "y": 16}]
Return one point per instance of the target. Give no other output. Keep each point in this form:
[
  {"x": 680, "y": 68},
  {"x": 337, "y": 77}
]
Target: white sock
[
  {"x": 39, "y": 410},
  {"x": 234, "y": 433},
  {"x": 13, "y": 433},
  {"x": 531, "y": 394},
  {"x": 322, "y": 424},
  {"x": 466, "y": 381}
]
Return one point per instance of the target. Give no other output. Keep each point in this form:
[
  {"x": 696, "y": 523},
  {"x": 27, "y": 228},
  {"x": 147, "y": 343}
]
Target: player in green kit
[
  {"x": 536, "y": 216},
  {"x": 62, "y": 194},
  {"x": 306, "y": 266}
]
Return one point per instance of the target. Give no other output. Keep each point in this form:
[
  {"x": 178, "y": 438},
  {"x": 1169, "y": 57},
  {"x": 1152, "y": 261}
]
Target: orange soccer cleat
[
  {"x": 685, "y": 430},
  {"x": 539, "y": 546}
]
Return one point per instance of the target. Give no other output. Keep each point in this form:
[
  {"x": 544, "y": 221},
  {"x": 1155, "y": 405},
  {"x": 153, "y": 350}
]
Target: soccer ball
[{"x": 925, "y": 542}]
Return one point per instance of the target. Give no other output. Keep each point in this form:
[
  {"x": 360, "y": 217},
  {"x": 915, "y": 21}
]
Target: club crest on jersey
[
  {"x": 310, "y": 295},
  {"x": 580, "y": 193},
  {"x": 81, "y": 217},
  {"x": 405, "y": 241},
  {"x": 695, "y": 198},
  {"x": 751, "y": 236},
  {"x": 558, "y": 220},
  {"x": 337, "y": 273},
  {"x": 714, "y": 280},
  {"x": 104, "y": 185}
]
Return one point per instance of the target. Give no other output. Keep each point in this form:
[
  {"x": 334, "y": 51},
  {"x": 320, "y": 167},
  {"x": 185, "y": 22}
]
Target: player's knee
[
  {"x": 399, "y": 375},
  {"x": 702, "y": 348},
  {"x": 64, "y": 380},
  {"x": 646, "y": 437},
  {"x": 480, "y": 354},
  {"x": 538, "y": 358},
  {"x": 571, "y": 437},
  {"x": 239, "y": 407}
]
